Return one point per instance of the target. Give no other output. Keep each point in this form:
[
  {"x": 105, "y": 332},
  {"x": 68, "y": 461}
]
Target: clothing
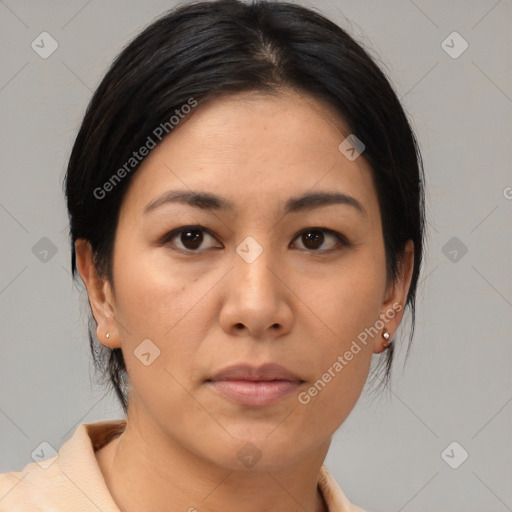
[{"x": 72, "y": 480}]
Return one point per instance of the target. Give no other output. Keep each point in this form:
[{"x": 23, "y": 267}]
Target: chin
[{"x": 257, "y": 450}]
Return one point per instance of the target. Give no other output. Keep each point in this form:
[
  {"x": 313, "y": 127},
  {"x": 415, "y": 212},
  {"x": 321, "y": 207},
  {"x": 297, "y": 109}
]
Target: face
[{"x": 280, "y": 261}]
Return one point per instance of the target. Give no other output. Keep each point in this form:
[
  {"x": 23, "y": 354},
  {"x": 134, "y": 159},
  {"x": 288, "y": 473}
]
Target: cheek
[
  {"x": 349, "y": 299},
  {"x": 348, "y": 304},
  {"x": 329, "y": 399},
  {"x": 341, "y": 363},
  {"x": 156, "y": 304},
  {"x": 152, "y": 298}
]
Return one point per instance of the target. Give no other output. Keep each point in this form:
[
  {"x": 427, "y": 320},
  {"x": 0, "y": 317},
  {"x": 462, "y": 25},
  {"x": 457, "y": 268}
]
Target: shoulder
[
  {"x": 333, "y": 495},
  {"x": 70, "y": 480},
  {"x": 31, "y": 488}
]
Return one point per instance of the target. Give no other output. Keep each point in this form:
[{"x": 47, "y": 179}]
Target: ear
[
  {"x": 100, "y": 295},
  {"x": 393, "y": 306}
]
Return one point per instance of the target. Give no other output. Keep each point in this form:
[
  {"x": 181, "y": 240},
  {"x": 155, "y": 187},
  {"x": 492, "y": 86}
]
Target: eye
[
  {"x": 191, "y": 238},
  {"x": 320, "y": 239}
]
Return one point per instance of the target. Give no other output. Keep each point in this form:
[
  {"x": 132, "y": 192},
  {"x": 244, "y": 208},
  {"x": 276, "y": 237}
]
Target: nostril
[{"x": 239, "y": 326}]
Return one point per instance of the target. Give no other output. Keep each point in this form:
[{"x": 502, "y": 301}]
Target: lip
[{"x": 255, "y": 386}]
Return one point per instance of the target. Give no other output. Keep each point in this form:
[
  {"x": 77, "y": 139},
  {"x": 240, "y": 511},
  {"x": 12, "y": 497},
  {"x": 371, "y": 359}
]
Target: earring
[
  {"x": 386, "y": 337},
  {"x": 107, "y": 335}
]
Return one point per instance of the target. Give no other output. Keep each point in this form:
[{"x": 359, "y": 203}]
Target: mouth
[{"x": 255, "y": 386}]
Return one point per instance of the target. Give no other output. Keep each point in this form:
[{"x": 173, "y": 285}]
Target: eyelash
[{"x": 342, "y": 240}]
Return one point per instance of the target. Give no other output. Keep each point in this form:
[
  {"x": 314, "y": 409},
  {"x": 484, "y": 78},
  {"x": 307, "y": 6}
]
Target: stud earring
[
  {"x": 107, "y": 335},
  {"x": 386, "y": 337}
]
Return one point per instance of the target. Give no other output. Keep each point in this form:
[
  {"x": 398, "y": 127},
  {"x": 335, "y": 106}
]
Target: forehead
[{"x": 254, "y": 147}]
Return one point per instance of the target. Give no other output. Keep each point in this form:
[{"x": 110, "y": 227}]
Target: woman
[{"x": 246, "y": 208}]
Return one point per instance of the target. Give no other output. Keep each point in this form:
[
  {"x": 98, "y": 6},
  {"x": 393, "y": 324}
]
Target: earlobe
[
  {"x": 100, "y": 295},
  {"x": 393, "y": 308},
  {"x": 383, "y": 342}
]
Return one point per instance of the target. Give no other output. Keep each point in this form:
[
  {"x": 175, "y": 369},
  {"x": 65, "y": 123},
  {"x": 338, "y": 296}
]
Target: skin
[{"x": 294, "y": 305}]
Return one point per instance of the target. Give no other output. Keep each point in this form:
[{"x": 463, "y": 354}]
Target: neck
[{"x": 149, "y": 472}]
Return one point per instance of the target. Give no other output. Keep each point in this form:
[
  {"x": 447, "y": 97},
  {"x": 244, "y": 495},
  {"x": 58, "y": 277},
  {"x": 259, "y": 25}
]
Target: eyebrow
[
  {"x": 208, "y": 201},
  {"x": 319, "y": 199},
  {"x": 203, "y": 200}
]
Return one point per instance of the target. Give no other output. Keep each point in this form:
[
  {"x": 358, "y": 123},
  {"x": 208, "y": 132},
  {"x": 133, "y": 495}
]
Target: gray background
[{"x": 456, "y": 385}]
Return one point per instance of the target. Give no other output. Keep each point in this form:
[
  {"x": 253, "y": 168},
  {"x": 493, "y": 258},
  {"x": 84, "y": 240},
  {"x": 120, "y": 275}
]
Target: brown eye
[
  {"x": 320, "y": 240},
  {"x": 313, "y": 239},
  {"x": 191, "y": 238}
]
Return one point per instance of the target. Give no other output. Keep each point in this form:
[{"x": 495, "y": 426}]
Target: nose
[{"x": 256, "y": 299}]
